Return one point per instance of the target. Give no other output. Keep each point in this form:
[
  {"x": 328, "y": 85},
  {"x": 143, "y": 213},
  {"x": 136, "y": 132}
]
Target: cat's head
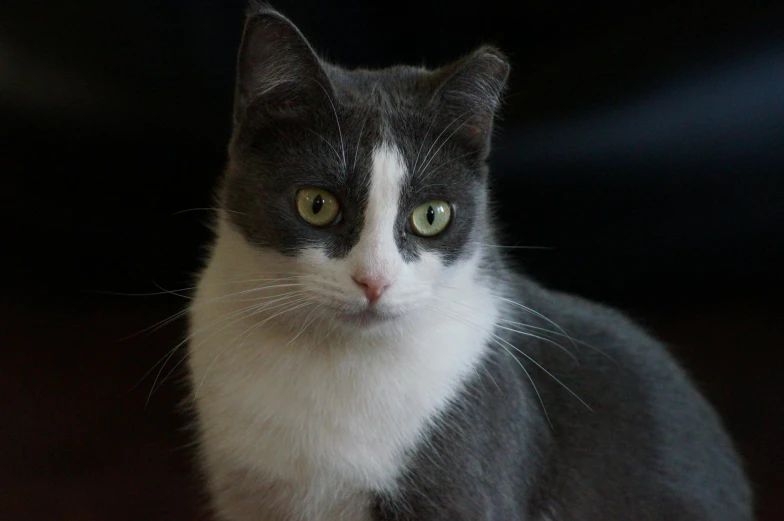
[{"x": 366, "y": 189}]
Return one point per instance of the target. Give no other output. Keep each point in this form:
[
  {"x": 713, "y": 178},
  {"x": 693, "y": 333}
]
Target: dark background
[{"x": 643, "y": 144}]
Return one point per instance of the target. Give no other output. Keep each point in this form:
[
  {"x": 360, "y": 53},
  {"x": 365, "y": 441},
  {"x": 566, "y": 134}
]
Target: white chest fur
[{"x": 333, "y": 416}]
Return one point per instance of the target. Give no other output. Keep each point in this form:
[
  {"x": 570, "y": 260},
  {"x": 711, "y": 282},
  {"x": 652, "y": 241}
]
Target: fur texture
[{"x": 463, "y": 392}]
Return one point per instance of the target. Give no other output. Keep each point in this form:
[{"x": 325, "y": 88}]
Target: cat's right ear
[
  {"x": 278, "y": 73},
  {"x": 469, "y": 93}
]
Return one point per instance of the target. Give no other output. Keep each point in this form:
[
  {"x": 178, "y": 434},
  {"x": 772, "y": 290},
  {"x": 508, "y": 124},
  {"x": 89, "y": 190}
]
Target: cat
[{"x": 360, "y": 349}]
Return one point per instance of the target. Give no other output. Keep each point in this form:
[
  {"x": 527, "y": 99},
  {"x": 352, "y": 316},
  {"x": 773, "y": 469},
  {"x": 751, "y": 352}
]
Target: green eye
[
  {"x": 318, "y": 207},
  {"x": 431, "y": 218}
]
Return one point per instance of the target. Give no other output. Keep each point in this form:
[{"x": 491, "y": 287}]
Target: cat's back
[{"x": 626, "y": 421}]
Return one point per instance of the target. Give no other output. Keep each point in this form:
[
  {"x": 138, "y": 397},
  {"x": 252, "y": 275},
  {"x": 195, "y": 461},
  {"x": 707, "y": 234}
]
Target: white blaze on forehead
[{"x": 376, "y": 253}]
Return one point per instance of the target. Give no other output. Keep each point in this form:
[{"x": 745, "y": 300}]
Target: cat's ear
[
  {"x": 469, "y": 94},
  {"x": 278, "y": 73}
]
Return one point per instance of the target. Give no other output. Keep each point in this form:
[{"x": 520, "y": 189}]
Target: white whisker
[
  {"x": 335, "y": 150},
  {"x": 151, "y": 329},
  {"x": 578, "y": 341},
  {"x": 526, "y": 333},
  {"x": 337, "y": 121},
  {"x": 296, "y": 305},
  {"x": 305, "y": 324},
  {"x": 424, "y": 140},
  {"x": 208, "y": 209},
  {"x": 527, "y": 374},
  {"x": 427, "y": 174},
  {"x": 513, "y": 247},
  {"x": 523, "y": 307},
  {"x": 537, "y": 364},
  {"x": 431, "y": 156},
  {"x": 542, "y": 338},
  {"x": 242, "y": 313},
  {"x": 362, "y": 128},
  {"x": 495, "y": 338}
]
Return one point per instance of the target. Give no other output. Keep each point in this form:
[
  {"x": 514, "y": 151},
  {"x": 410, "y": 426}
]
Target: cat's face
[{"x": 365, "y": 191}]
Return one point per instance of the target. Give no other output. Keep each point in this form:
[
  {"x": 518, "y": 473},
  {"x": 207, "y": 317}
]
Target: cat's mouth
[{"x": 368, "y": 316}]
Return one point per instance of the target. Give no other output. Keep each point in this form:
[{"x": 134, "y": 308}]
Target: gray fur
[
  {"x": 650, "y": 448},
  {"x": 289, "y": 103},
  {"x": 516, "y": 445}
]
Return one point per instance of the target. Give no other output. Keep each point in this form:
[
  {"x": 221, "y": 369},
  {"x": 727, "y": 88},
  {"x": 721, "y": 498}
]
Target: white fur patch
[
  {"x": 289, "y": 397},
  {"x": 376, "y": 253}
]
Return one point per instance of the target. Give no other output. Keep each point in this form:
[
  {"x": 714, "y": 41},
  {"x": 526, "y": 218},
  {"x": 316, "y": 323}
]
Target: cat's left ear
[
  {"x": 277, "y": 70},
  {"x": 470, "y": 93}
]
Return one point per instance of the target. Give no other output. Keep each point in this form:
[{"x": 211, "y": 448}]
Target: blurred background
[{"x": 643, "y": 145}]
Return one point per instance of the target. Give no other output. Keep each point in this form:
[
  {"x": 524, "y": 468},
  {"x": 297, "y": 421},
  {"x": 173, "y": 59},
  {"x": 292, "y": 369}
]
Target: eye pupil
[
  {"x": 318, "y": 202},
  {"x": 431, "y": 215}
]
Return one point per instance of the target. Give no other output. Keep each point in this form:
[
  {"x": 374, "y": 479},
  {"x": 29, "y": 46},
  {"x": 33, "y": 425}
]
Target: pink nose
[{"x": 374, "y": 287}]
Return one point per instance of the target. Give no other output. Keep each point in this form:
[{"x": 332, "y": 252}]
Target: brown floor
[{"x": 79, "y": 444}]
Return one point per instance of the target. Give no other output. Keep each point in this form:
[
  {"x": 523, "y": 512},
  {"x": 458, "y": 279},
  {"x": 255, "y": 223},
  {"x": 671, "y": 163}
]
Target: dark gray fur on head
[
  {"x": 630, "y": 439},
  {"x": 300, "y": 121}
]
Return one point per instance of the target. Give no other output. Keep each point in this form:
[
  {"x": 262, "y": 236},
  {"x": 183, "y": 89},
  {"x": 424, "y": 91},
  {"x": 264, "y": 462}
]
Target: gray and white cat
[{"x": 361, "y": 351}]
